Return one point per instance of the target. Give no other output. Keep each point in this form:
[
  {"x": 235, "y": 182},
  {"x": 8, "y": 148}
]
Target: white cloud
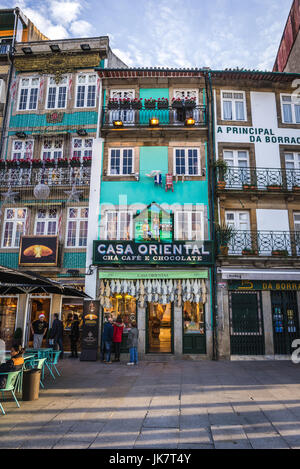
[
  {"x": 64, "y": 11},
  {"x": 47, "y": 27},
  {"x": 81, "y": 28}
]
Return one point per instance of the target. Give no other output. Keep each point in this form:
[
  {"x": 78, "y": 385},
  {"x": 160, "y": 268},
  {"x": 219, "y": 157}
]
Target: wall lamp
[
  {"x": 55, "y": 47},
  {"x": 154, "y": 122},
  {"x": 27, "y": 50},
  {"x": 85, "y": 46},
  {"x": 190, "y": 122},
  {"x": 118, "y": 124},
  {"x": 82, "y": 132}
]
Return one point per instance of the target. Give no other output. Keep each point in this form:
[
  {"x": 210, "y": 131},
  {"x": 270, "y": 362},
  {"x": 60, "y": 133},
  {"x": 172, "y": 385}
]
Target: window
[
  {"x": 233, "y": 106},
  {"x": 189, "y": 226},
  {"x": 121, "y": 161},
  {"x": 238, "y": 220},
  {"x": 236, "y": 158},
  {"x": 292, "y": 160},
  {"x": 86, "y": 90},
  {"x": 46, "y": 222},
  {"x": 182, "y": 94},
  {"x": 118, "y": 225},
  {"x": 290, "y": 107},
  {"x": 28, "y": 96},
  {"x": 77, "y": 227},
  {"x": 13, "y": 227},
  {"x": 122, "y": 94},
  {"x": 57, "y": 93},
  {"x": 22, "y": 149},
  {"x": 187, "y": 161},
  {"x": 82, "y": 147},
  {"x": 297, "y": 222},
  {"x": 52, "y": 149}
]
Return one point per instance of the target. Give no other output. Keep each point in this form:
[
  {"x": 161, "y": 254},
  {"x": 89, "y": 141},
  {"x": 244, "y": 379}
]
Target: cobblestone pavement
[{"x": 176, "y": 404}]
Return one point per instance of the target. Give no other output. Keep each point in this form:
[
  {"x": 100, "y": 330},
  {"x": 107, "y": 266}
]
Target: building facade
[
  {"x": 257, "y": 154},
  {"x": 151, "y": 233},
  {"x": 288, "y": 56}
]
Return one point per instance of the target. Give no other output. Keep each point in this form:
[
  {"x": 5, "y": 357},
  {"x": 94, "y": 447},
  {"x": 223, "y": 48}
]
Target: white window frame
[
  {"x": 30, "y": 87},
  {"x": 2, "y": 91},
  {"x": 23, "y": 149},
  {"x": 236, "y": 222},
  {"x": 46, "y": 220},
  {"x": 85, "y": 91},
  {"x": 236, "y": 158},
  {"x": 186, "y": 93},
  {"x": 14, "y": 230},
  {"x": 78, "y": 219},
  {"x": 57, "y": 87},
  {"x": 186, "y": 149},
  {"x": 52, "y": 150},
  {"x": 295, "y": 101},
  {"x": 124, "y": 94},
  {"x": 233, "y": 101},
  {"x": 190, "y": 213},
  {"x": 121, "y": 162},
  {"x": 295, "y": 161},
  {"x": 119, "y": 213},
  {"x": 82, "y": 149}
]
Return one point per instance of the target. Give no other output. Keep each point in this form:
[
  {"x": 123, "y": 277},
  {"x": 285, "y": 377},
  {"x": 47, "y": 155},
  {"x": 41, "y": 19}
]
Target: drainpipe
[
  {"x": 211, "y": 178},
  {"x": 10, "y": 57}
]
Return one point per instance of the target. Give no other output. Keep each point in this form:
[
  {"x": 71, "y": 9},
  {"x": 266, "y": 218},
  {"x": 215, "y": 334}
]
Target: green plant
[
  {"x": 224, "y": 234},
  {"x": 18, "y": 334},
  {"x": 221, "y": 167}
]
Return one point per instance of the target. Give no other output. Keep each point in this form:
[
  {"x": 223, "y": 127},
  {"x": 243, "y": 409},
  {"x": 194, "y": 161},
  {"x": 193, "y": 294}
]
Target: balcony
[
  {"x": 260, "y": 179},
  {"x": 4, "y": 49},
  {"x": 54, "y": 176},
  {"x": 283, "y": 244},
  {"x": 168, "y": 117}
]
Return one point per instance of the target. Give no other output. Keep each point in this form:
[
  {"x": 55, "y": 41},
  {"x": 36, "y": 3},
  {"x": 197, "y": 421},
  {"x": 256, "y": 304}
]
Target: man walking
[
  {"x": 107, "y": 338},
  {"x": 57, "y": 332},
  {"x": 39, "y": 330}
]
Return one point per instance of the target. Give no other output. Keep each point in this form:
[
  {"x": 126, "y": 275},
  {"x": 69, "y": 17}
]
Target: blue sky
[{"x": 170, "y": 33}]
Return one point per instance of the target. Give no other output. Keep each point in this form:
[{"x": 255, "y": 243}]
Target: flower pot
[
  {"x": 249, "y": 253},
  {"x": 190, "y": 104},
  {"x": 249, "y": 187},
  {"x": 150, "y": 105},
  {"x": 162, "y": 105},
  {"x": 113, "y": 105},
  {"x": 280, "y": 253},
  {"x": 224, "y": 250},
  {"x": 274, "y": 188},
  {"x": 221, "y": 185},
  {"x": 177, "y": 105},
  {"x": 126, "y": 105},
  {"x": 296, "y": 188},
  {"x": 136, "y": 105}
]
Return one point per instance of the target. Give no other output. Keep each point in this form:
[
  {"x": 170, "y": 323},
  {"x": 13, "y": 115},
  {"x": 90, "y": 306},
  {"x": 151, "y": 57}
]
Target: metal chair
[
  {"x": 38, "y": 364},
  {"x": 53, "y": 361},
  {"x": 10, "y": 385}
]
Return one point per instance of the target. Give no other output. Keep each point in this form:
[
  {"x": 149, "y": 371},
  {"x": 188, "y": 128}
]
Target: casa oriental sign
[{"x": 129, "y": 252}]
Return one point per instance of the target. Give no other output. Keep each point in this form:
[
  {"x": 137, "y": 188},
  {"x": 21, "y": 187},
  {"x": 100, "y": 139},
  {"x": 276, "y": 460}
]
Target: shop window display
[
  {"x": 193, "y": 316},
  {"x": 71, "y": 306},
  {"x": 159, "y": 328},
  {"x": 124, "y": 305},
  {"x": 8, "y": 312}
]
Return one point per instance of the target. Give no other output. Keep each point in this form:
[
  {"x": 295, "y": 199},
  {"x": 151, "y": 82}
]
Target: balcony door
[
  {"x": 285, "y": 321},
  {"x": 238, "y": 172},
  {"x": 125, "y": 115},
  {"x": 241, "y": 240},
  {"x": 292, "y": 166},
  {"x": 297, "y": 231}
]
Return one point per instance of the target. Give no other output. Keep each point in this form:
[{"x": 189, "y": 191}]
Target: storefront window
[
  {"x": 8, "y": 313},
  {"x": 122, "y": 304},
  {"x": 193, "y": 316},
  {"x": 71, "y": 306}
]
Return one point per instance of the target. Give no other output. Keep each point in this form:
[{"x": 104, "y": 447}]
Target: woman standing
[
  {"x": 74, "y": 336},
  {"x": 117, "y": 337},
  {"x": 132, "y": 342}
]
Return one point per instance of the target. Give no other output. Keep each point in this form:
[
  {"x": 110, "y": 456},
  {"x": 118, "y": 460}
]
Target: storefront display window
[
  {"x": 124, "y": 305},
  {"x": 8, "y": 313},
  {"x": 193, "y": 316},
  {"x": 71, "y": 306},
  {"x": 159, "y": 328}
]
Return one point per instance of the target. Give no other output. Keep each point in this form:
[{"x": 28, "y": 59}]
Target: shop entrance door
[
  {"x": 36, "y": 307},
  {"x": 160, "y": 328},
  {"x": 285, "y": 321}
]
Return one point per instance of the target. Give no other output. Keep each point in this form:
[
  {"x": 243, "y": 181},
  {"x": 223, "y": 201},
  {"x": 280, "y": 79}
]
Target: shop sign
[
  {"x": 259, "y": 135},
  {"x": 146, "y": 275},
  {"x": 90, "y": 328},
  {"x": 267, "y": 285},
  {"x": 129, "y": 252},
  {"x": 38, "y": 251}
]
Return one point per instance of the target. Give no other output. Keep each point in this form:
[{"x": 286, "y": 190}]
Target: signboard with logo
[
  {"x": 90, "y": 329},
  {"x": 153, "y": 224},
  {"x": 175, "y": 253},
  {"x": 264, "y": 285},
  {"x": 38, "y": 251}
]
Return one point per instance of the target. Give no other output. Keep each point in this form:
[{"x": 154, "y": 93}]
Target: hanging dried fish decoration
[{"x": 102, "y": 288}]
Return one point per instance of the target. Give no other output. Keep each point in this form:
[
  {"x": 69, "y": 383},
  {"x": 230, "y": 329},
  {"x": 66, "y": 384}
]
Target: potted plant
[
  {"x": 163, "y": 103},
  {"x": 125, "y": 103},
  {"x": 2, "y": 164},
  {"x": 113, "y": 104},
  {"x": 274, "y": 187},
  {"x": 296, "y": 188},
  {"x": 26, "y": 163},
  {"x": 150, "y": 103},
  {"x": 36, "y": 163},
  {"x": 249, "y": 252},
  {"x": 249, "y": 187},
  {"x": 190, "y": 103},
  {"x": 12, "y": 163},
  {"x": 87, "y": 161},
  {"x": 177, "y": 103},
  {"x": 221, "y": 167},
  {"x": 62, "y": 162},
  {"x": 49, "y": 163},
  {"x": 75, "y": 161},
  {"x": 224, "y": 235},
  {"x": 280, "y": 253},
  {"x": 136, "y": 103},
  {"x": 18, "y": 336}
]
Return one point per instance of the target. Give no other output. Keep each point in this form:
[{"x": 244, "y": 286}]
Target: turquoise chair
[
  {"x": 53, "y": 361},
  {"x": 10, "y": 386}
]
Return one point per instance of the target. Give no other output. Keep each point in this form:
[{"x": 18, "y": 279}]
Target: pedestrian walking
[
  {"x": 74, "y": 336},
  {"x": 117, "y": 337},
  {"x": 107, "y": 338},
  {"x": 132, "y": 342},
  {"x": 56, "y": 334},
  {"x": 39, "y": 330}
]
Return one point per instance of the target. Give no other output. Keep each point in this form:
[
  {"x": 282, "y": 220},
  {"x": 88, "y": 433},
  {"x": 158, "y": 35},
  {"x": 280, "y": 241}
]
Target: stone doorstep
[{"x": 260, "y": 358}]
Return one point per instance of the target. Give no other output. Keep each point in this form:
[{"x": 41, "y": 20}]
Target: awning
[{"x": 259, "y": 274}]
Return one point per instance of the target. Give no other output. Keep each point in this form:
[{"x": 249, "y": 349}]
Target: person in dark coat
[
  {"x": 57, "y": 332},
  {"x": 107, "y": 338},
  {"x": 132, "y": 343},
  {"x": 74, "y": 336},
  {"x": 117, "y": 337},
  {"x": 15, "y": 363}
]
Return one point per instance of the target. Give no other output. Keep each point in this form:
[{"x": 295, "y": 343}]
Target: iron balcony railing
[
  {"x": 141, "y": 117},
  {"x": 54, "y": 176},
  {"x": 4, "y": 48},
  {"x": 261, "y": 179},
  {"x": 265, "y": 243}
]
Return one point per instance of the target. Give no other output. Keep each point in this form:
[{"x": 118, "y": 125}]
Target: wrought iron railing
[
  {"x": 276, "y": 179},
  {"x": 265, "y": 243},
  {"x": 141, "y": 117},
  {"x": 54, "y": 176}
]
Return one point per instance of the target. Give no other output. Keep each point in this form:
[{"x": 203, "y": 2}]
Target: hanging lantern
[{"x": 41, "y": 191}]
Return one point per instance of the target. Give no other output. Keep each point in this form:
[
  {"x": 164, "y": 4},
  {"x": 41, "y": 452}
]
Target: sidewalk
[{"x": 178, "y": 404}]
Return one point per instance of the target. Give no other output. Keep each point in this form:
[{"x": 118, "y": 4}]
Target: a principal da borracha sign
[{"x": 129, "y": 252}]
